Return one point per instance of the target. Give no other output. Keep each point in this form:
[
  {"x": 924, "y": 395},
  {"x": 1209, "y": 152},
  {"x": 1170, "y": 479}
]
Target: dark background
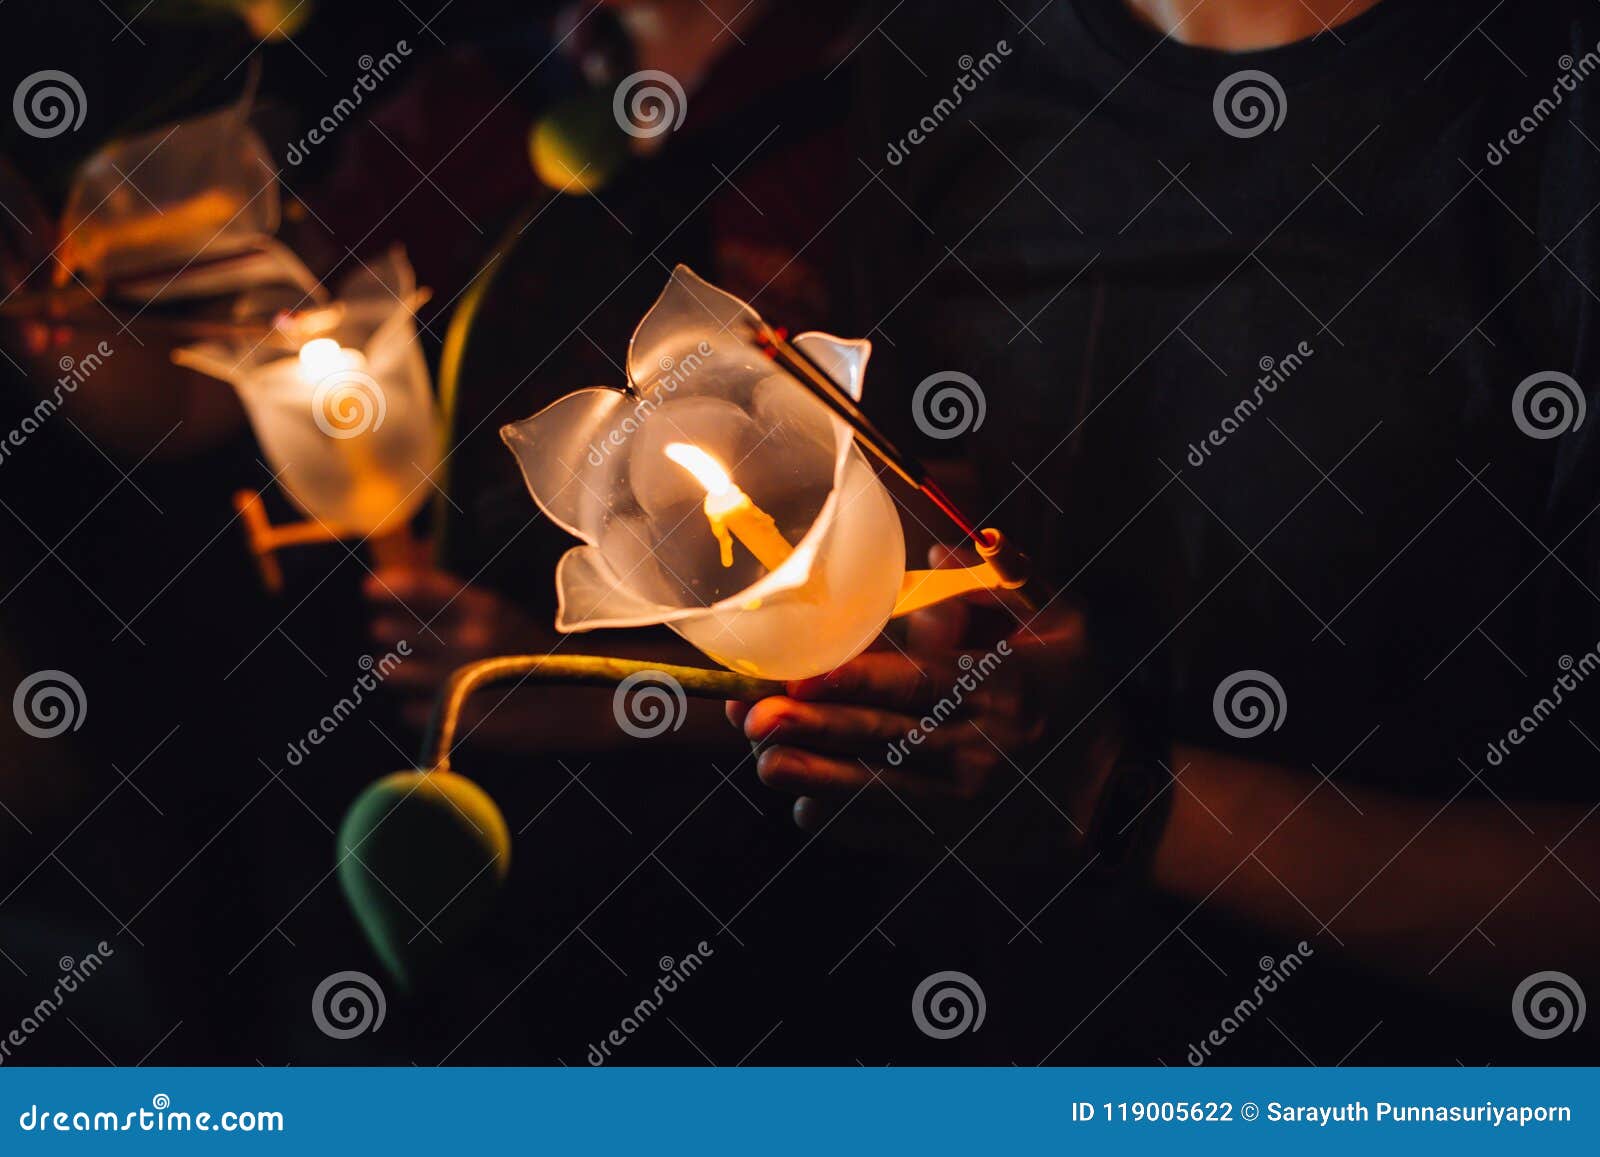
[{"x": 171, "y": 826}]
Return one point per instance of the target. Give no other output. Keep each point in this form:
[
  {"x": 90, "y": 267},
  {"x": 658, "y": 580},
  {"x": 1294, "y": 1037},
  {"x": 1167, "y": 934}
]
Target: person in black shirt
[{"x": 1284, "y": 317}]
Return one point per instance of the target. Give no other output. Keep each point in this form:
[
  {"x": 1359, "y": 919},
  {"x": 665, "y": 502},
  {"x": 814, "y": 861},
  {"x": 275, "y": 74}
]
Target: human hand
[
  {"x": 444, "y": 623},
  {"x": 932, "y": 739}
]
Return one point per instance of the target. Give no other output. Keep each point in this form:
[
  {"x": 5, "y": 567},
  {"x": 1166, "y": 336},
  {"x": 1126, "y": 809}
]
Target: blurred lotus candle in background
[
  {"x": 733, "y": 453},
  {"x": 347, "y": 421},
  {"x": 201, "y": 222},
  {"x": 322, "y": 356}
]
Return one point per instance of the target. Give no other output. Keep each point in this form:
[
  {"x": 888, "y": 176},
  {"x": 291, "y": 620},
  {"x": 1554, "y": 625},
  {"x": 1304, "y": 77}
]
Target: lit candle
[
  {"x": 322, "y": 356},
  {"x": 730, "y": 511},
  {"x": 366, "y": 469}
]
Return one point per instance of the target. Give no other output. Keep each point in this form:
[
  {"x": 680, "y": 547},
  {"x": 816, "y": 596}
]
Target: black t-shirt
[
  {"x": 1252, "y": 396},
  {"x": 1252, "y": 391}
]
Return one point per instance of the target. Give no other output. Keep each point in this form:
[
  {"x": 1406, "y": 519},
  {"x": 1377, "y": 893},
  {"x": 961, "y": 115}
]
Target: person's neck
[
  {"x": 1245, "y": 25},
  {"x": 685, "y": 37}
]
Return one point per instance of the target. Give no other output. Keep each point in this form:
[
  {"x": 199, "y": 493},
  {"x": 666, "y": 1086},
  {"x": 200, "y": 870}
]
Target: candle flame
[
  {"x": 707, "y": 471},
  {"x": 321, "y": 356},
  {"x": 730, "y": 511}
]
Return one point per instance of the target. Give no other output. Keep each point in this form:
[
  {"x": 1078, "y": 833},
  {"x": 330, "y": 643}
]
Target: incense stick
[{"x": 821, "y": 384}]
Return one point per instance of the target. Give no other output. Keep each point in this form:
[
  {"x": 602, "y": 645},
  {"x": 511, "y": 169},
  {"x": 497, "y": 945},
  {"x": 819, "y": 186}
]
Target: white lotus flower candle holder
[
  {"x": 342, "y": 404},
  {"x": 717, "y": 496}
]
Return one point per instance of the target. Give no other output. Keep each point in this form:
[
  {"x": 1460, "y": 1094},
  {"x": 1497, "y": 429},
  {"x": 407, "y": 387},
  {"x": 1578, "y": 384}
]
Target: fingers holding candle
[
  {"x": 887, "y": 679},
  {"x": 800, "y": 772},
  {"x": 877, "y": 738},
  {"x": 886, "y": 721},
  {"x": 804, "y": 773},
  {"x": 939, "y": 733}
]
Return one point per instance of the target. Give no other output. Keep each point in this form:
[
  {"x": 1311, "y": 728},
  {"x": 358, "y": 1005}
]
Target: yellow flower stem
[{"x": 573, "y": 671}]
